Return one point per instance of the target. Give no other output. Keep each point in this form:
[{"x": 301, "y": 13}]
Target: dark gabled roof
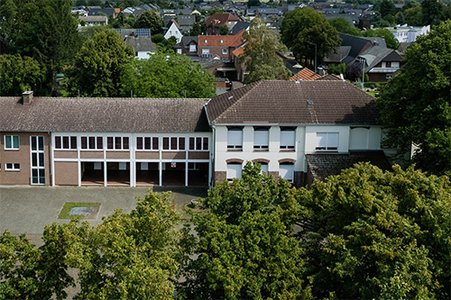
[
  {"x": 294, "y": 102},
  {"x": 239, "y": 27},
  {"x": 338, "y": 55},
  {"x": 376, "y": 54},
  {"x": 47, "y": 114},
  {"x": 186, "y": 40},
  {"x": 322, "y": 165},
  {"x": 140, "y": 44}
]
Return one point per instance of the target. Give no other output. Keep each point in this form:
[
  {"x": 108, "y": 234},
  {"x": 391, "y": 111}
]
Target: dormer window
[
  {"x": 222, "y": 42},
  {"x": 206, "y": 41}
]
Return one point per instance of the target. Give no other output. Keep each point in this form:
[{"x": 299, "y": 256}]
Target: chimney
[{"x": 27, "y": 97}]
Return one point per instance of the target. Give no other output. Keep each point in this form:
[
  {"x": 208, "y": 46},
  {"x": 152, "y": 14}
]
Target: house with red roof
[
  {"x": 219, "y": 20},
  {"x": 220, "y": 46}
]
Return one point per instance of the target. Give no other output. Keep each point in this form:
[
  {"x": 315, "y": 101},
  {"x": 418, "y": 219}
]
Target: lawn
[{"x": 86, "y": 210}]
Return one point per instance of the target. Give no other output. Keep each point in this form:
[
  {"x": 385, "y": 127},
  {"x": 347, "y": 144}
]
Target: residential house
[
  {"x": 295, "y": 129},
  {"x": 173, "y": 31},
  {"x": 143, "y": 46},
  {"x": 93, "y": 20},
  {"x": 186, "y": 22},
  {"x": 220, "y": 46},
  {"x": 188, "y": 45},
  {"x": 305, "y": 74},
  {"x": 217, "y": 21},
  {"x": 408, "y": 34},
  {"x": 380, "y": 63}
]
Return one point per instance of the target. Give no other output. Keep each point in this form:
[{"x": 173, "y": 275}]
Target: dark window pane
[
  {"x": 181, "y": 143},
  {"x": 110, "y": 142},
  {"x": 65, "y": 142},
  {"x": 205, "y": 143},
  {"x": 139, "y": 143},
  {"x": 84, "y": 142},
  {"x": 41, "y": 142},
  {"x": 73, "y": 142},
  {"x": 173, "y": 143},
  {"x": 34, "y": 176},
  {"x": 99, "y": 142},
  {"x": 15, "y": 141},
  {"x": 41, "y": 160},
  {"x": 148, "y": 146},
  {"x": 33, "y": 143},
  {"x": 17, "y": 166},
  {"x": 191, "y": 143},
  {"x": 92, "y": 142},
  {"x": 165, "y": 143},
  {"x": 155, "y": 143},
  {"x": 34, "y": 159},
  {"x": 57, "y": 142},
  {"x": 41, "y": 176},
  {"x": 125, "y": 142},
  {"x": 198, "y": 143},
  {"x": 118, "y": 142}
]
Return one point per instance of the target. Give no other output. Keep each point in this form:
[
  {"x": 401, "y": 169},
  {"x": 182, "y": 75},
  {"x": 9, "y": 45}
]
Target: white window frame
[
  {"x": 12, "y": 167},
  {"x": 225, "y": 51},
  {"x": 205, "y": 51},
  {"x": 177, "y": 146},
  {"x": 204, "y": 146},
  {"x": 96, "y": 146},
  {"x": 71, "y": 146},
  {"x": 121, "y": 148},
  {"x": 261, "y": 139},
  {"x": 328, "y": 137},
  {"x": 238, "y": 144},
  {"x": 11, "y": 138},
  {"x": 151, "y": 138},
  {"x": 283, "y": 171},
  {"x": 234, "y": 170},
  {"x": 287, "y": 133}
]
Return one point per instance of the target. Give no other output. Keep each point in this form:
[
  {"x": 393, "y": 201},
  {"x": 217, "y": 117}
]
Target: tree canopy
[
  {"x": 302, "y": 29},
  {"x": 19, "y": 74},
  {"x": 371, "y": 234},
  {"x": 244, "y": 248},
  {"x": 389, "y": 38},
  {"x": 415, "y": 105},
  {"x": 260, "y": 54},
  {"x": 167, "y": 75},
  {"x": 343, "y": 26},
  {"x": 99, "y": 65},
  {"x": 150, "y": 19}
]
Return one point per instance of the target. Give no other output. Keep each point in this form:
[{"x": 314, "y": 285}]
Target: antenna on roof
[{"x": 230, "y": 97}]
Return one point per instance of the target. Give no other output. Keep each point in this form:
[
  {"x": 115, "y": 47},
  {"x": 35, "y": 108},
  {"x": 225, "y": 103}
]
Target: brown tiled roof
[
  {"x": 322, "y": 165},
  {"x": 220, "y": 19},
  {"x": 215, "y": 40},
  {"x": 47, "y": 114},
  {"x": 305, "y": 74},
  {"x": 294, "y": 102},
  {"x": 329, "y": 77}
]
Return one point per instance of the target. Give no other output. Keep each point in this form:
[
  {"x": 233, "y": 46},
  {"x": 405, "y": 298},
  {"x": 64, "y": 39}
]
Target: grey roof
[
  {"x": 322, "y": 165},
  {"x": 140, "y": 44},
  {"x": 186, "y": 40},
  {"x": 239, "y": 27},
  {"x": 294, "y": 102},
  {"x": 376, "y": 54},
  {"x": 138, "y": 32},
  {"x": 46, "y": 114},
  {"x": 339, "y": 55}
]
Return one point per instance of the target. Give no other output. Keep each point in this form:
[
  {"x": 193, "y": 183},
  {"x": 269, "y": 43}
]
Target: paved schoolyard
[{"x": 28, "y": 209}]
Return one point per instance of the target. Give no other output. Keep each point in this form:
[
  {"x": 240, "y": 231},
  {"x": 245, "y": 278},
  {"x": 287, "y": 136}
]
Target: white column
[
  {"x": 105, "y": 173},
  {"x": 52, "y": 159},
  {"x": 186, "y": 172}
]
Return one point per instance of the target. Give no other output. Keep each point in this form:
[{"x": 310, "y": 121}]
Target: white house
[
  {"x": 408, "y": 34},
  {"x": 173, "y": 31}
]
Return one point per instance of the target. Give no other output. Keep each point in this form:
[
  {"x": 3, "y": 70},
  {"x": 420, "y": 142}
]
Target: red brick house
[{"x": 220, "y": 46}]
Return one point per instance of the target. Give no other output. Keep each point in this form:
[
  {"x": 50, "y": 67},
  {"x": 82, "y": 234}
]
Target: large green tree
[
  {"x": 99, "y": 65},
  {"x": 260, "y": 54},
  {"x": 415, "y": 105},
  {"x": 8, "y": 12},
  {"x": 305, "y": 29},
  {"x": 150, "y": 19},
  {"x": 243, "y": 247},
  {"x": 167, "y": 75},
  {"x": 343, "y": 26},
  {"x": 19, "y": 74},
  {"x": 371, "y": 234}
]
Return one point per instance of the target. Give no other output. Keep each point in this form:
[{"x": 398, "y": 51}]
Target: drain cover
[{"x": 82, "y": 211}]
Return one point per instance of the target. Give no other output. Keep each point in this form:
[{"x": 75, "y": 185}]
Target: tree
[
  {"x": 19, "y": 74},
  {"x": 260, "y": 54},
  {"x": 99, "y": 65},
  {"x": 343, "y": 26},
  {"x": 433, "y": 12},
  {"x": 304, "y": 28},
  {"x": 386, "y": 9},
  {"x": 244, "y": 247},
  {"x": 389, "y": 38},
  {"x": 8, "y": 11},
  {"x": 416, "y": 109},
  {"x": 414, "y": 15},
  {"x": 371, "y": 234},
  {"x": 150, "y": 19},
  {"x": 46, "y": 31},
  {"x": 167, "y": 75}
]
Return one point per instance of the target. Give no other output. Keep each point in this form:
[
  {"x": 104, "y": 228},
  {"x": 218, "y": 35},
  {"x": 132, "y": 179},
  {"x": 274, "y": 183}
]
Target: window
[
  {"x": 66, "y": 142},
  {"x": 205, "y": 51},
  {"x": 91, "y": 143},
  {"x": 388, "y": 64},
  {"x": 261, "y": 138},
  {"x": 263, "y": 167},
  {"x": 147, "y": 143},
  {"x": 235, "y": 138},
  {"x": 287, "y": 138},
  {"x": 12, "y": 142},
  {"x": 173, "y": 143},
  {"x": 286, "y": 171},
  {"x": 118, "y": 143},
  {"x": 198, "y": 143},
  {"x": 225, "y": 51},
  {"x": 233, "y": 170},
  {"x": 327, "y": 141},
  {"x": 12, "y": 167}
]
